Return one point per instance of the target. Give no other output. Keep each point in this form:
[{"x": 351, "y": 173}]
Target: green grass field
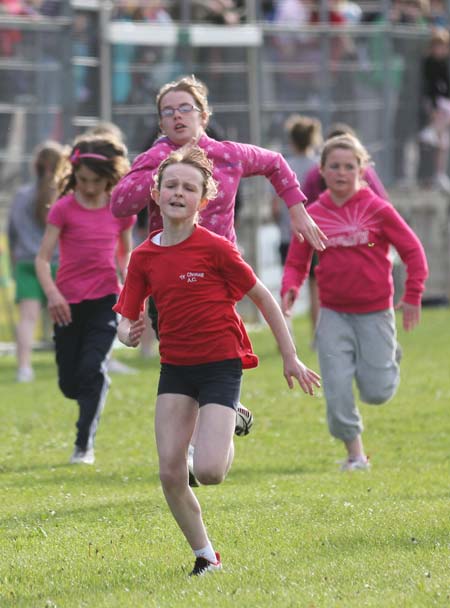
[{"x": 293, "y": 531}]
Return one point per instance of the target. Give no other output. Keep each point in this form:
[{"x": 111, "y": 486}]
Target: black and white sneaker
[
  {"x": 244, "y": 421},
  {"x": 202, "y": 566},
  {"x": 81, "y": 456}
]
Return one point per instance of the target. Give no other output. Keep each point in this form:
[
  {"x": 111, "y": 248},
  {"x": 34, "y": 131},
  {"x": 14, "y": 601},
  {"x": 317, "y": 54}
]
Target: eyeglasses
[{"x": 184, "y": 108}]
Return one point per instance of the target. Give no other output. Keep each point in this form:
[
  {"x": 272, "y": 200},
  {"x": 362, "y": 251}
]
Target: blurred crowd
[
  {"x": 358, "y": 66},
  {"x": 232, "y": 12}
]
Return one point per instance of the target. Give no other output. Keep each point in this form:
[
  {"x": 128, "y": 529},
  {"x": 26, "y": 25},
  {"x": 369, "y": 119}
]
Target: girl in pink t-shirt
[
  {"x": 196, "y": 277},
  {"x": 80, "y": 301}
]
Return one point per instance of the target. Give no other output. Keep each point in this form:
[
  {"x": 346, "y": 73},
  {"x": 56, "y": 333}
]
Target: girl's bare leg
[
  {"x": 29, "y": 311},
  {"x": 174, "y": 424},
  {"x": 355, "y": 449},
  {"x": 214, "y": 447}
]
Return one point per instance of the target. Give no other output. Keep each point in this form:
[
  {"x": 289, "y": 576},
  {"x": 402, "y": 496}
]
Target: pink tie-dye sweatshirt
[
  {"x": 354, "y": 273},
  {"x": 231, "y": 160}
]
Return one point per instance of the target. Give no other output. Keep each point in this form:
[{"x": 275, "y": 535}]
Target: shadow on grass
[
  {"x": 122, "y": 510},
  {"x": 84, "y": 476},
  {"x": 246, "y": 473},
  {"x": 352, "y": 543}
]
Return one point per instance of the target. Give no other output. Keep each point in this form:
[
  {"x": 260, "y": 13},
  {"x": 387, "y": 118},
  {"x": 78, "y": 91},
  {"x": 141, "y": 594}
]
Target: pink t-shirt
[
  {"x": 231, "y": 160},
  {"x": 87, "y": 246}
]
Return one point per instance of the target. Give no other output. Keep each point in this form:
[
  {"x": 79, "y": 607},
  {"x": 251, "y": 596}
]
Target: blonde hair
[
  {"x": 195, "y": 157},
  {"x": 47, "y": 160},
  {"x": 191, "y": 85},
  {"x": 345, "y": 142}
]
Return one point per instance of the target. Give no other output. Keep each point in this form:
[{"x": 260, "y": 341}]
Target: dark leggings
[{"x": 82, "y": 350}]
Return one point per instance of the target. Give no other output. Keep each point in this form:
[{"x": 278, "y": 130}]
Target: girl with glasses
[{"x": 183, "y": 117}]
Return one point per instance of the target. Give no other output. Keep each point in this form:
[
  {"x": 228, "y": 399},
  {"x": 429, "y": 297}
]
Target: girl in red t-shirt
[{"x": 196, "y": 277}]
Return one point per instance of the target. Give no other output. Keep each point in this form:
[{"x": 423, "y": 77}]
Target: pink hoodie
[
  {"x": 232, "y": 161},
  {"x": 354, "y": 272}
]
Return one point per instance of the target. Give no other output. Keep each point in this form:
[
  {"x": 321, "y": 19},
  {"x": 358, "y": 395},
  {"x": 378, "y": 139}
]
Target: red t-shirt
[{"x": 195, "y": 285}]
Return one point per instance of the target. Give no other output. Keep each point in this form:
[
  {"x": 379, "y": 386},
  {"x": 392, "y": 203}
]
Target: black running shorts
[{"x": 218, "y": 382}]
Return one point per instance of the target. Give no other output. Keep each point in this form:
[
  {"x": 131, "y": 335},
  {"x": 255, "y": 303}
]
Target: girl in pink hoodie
[{"x": 356, "y": 335}]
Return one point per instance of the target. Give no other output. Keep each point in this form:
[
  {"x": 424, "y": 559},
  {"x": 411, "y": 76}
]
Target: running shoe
[
  {"x": 359, "y": 464},
  {"x": 244, "y": 421},
  {"x": 202, "y": 566},
  {"x": 80, "y": 456}
]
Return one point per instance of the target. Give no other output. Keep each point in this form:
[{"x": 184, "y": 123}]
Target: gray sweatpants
[{"x": 361, "y": 347}]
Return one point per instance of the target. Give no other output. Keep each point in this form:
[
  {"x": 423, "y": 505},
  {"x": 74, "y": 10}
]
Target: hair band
[{"x": 77, "y": 156}]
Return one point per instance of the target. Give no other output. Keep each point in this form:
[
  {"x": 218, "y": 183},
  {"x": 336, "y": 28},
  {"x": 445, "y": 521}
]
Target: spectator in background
[
  {"x": 396, "y": 72},
  {"x": 9, "y": 38},
  {"x": 341, "y": 47},
  {"x": 123, "y": 54},
  {"x": 26, "y": 226},
  {"x": 12, "y": 44},
  {"x": 157, "y": 62},
  {"x": 410, "y": 51},
  {"x": 286, "y": 48},
  {"x": 290, "y": 12},
  {"x": 436, "y": 103},
  {"x": 350, "y": 11},
  {"x": 219, "y": 12},
  {"x": 267, "y": 10},
  {"x": 81, "y": 48},
  {"x": 438, "y": 16}
]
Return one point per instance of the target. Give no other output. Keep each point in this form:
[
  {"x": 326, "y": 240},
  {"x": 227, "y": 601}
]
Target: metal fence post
[
  {"x": 387, "y": 96},
  {"x": 254, "y": 99},
  {"x": 67, "y": 80},
  {"x": 184, "y": 36},
  {"x": 105, "y": 61},
  {"x": 325, "y": 56}
]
